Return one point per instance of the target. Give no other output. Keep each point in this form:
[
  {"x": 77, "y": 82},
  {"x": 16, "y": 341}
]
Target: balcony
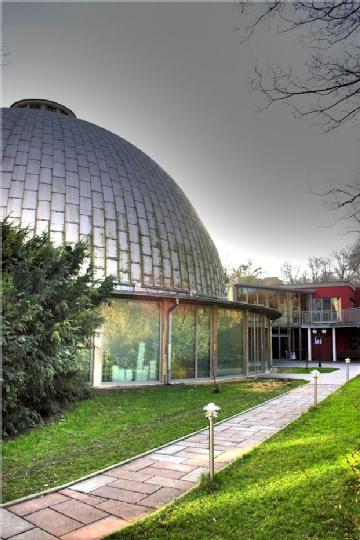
[{"x": 343, "y": 317}]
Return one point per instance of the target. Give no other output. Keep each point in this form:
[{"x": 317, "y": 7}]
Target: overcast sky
[{"x": 173, "y": 79}]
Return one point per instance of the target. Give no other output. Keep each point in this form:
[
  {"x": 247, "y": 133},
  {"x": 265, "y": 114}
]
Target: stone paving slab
[{"x": 97, "y": 506}]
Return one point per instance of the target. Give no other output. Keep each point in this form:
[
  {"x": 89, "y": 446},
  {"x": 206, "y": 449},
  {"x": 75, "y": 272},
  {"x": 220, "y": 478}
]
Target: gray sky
[{"x": 173, "y": 79}]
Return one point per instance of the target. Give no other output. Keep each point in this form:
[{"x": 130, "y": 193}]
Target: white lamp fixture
[
  {"x": 323, "y": 331},
  {"x": 314, "y": 331},
  {"x": 347, "y": 362},
  {"x": 211, "y": 412}
]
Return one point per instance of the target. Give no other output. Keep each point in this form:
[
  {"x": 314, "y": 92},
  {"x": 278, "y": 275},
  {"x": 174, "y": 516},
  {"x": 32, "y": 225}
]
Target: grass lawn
[
  {"x": 295, "y": 486},
  {"x": 303, "y": 370},
  {"x": 110, "y": 428}
]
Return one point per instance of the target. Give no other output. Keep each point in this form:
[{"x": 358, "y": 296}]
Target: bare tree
[
  {"x": 320, "y": 269},
  {"x": 327, "y": 90},
  {"x": 340, "y": 259},
  {"x": 347, "y": 199},
  {"x": 330, "y": 90},
  {"x": 290, "y": 273},
  {"x": 354, "y": 261}
]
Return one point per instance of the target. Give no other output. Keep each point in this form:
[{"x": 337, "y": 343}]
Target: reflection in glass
[
  {"x": 131, "y": 341},
  {"x": 203, "y": 342},
  {"x": 242, "y": 294},
  {"x": 230, "y": 342},
  {"x": 252, "y": 296},
  {"x": 262, "y": 298},
  {"x": 83, "y": 362},
  {"x": 183, "y": 342}
]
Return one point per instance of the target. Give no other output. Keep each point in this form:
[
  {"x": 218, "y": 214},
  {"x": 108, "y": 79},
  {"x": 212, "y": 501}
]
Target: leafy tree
[
  {"x": 245, "y": 273},
  {"x": 49, "y": 312}
]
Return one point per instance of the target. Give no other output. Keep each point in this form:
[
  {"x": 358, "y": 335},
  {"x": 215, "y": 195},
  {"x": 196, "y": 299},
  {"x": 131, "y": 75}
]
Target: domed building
[{"x": 170, "y": 319}]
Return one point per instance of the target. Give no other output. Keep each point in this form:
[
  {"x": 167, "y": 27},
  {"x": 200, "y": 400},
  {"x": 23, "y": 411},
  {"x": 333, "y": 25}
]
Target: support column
[
  {"x": 164, "y": 372},
  {"x": 213, "y": 343},
  {"x": 270, "y": 345},
  {"x": 98, "y": 358},
  {"x": 309, "y": 344},
  {"x": 334, "y": 344},
  {"x": 246, "y": 343}
]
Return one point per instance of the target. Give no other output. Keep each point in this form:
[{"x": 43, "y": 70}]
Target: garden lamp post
[
  {"x": 347, "y": 362},
  {"x": 211, "y": 412},
  {"x": 315, "y": 373}
]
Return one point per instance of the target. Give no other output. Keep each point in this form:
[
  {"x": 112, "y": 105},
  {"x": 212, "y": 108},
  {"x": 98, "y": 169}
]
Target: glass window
[
  {"x": 262, "y": 298},
  {"x": 190, "y": 342},
  {"x": 241, "y": 294},
  {"x": 183, "y": 324},
  {"x": 305, "y": 302},
  {"x": 273, "y": 300},
  {"x": 203, "y": 342},
  {"x": 131, "y": 341},
  {"x": 283, "y": 303},
  {"x": 230, "y": 342},
  {"x": 326, "y": 304},
  {"x": 252, "y": 296}
]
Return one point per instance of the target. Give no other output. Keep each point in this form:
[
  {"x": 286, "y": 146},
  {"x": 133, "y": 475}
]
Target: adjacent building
[
  {"x": 170, "y": 319},
  {"x": 319, "y": 321}
]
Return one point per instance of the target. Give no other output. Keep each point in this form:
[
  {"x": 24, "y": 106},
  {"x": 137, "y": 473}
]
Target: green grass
[
  {"x": 295, "y": 486},
  {"x": 303, "y": 370},
  {"x": 110, "y": 428}
]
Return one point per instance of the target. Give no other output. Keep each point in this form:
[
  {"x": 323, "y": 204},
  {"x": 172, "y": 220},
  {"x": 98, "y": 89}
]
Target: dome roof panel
[{"x": 77, "y": 180}]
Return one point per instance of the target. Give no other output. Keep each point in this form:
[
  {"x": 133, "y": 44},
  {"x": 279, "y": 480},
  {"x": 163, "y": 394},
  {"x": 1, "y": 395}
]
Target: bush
[{"x": 49, "y": 311}]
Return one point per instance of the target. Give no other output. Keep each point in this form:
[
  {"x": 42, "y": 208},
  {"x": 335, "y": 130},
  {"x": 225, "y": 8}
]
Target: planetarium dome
[
  {"x": 77, "y": 180},
  {"x": 169, "y": 319}
]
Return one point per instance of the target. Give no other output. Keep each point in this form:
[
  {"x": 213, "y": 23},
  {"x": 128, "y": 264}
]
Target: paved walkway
[{"x": 109, "y": 500}]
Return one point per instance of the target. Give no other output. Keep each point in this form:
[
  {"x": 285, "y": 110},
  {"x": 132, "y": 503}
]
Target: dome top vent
[{"x": 43, "y": 104}]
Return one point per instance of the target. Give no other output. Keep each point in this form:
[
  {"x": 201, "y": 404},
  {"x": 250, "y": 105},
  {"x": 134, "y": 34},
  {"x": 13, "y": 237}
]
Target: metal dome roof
[{"x": 77, "y": 180}]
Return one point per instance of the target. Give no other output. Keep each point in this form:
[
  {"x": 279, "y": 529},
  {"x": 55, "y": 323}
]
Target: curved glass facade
[{"x": 198, "y": 342}]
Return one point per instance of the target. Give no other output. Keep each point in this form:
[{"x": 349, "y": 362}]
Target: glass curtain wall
[
  {"x": 230, "y": 342},
  {"x": 190, "y": 342},
  {"x": 131, "y": 341}
]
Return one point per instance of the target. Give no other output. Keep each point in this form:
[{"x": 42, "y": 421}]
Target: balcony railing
[
  {"x": 308, "y": 318},
  {"x": 343, "y": 316}
]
